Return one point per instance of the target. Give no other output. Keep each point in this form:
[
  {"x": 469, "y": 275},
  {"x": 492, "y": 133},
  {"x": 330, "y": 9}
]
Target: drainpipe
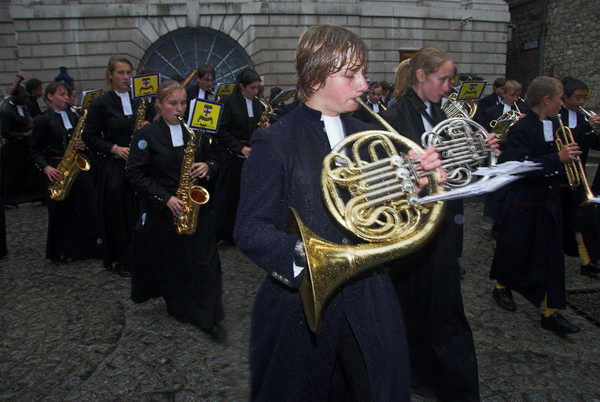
[{"x": 543, "y": 29}]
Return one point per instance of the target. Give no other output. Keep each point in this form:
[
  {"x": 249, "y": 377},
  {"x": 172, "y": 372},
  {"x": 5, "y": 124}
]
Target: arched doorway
[{"x": 180, "y": 52}]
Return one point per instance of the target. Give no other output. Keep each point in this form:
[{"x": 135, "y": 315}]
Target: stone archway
[{"x": 182, "y": 51}]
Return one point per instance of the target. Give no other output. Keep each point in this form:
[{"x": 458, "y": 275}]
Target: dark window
[{"x": 180, "y": 52}]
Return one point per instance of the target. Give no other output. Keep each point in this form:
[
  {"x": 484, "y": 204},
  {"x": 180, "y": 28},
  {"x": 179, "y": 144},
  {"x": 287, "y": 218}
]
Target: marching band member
[
  {"x": 107, "y": 132},
  {"x": 529, "y": 253},
  {"x": 511, "y": 92},
  {"x": 362, "y": 332},
  {"x": 581, "y": 232},
  {"x": 203, "y": 88},
  {"x": 184, "y": 269},
  {"x": 35, "y": 90},
  {"x": 241, "y": 115},
  {"x": 440, "y": 341},
  {"x": 73, "y": 231},
  {"x": 493, "y": 99},
  {"x": 373, "y": 101},
  {"x": 21, "y": 181}
]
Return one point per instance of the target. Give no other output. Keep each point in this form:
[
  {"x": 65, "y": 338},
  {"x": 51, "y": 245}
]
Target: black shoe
[
  {"x": 504, "y": 299},
  {"x": 217, "y": 332},
  {"x": 590, "y": 270},
  {"x": 61, "y": 259},
  {"x": 559, "y": 324},
  {"x": 122, "y": 270}
]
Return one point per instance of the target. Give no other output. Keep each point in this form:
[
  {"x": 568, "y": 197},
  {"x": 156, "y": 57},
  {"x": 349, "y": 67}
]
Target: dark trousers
[{"x": 352, "y": 364}]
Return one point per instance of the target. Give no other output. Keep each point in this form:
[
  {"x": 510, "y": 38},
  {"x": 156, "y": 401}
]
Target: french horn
[
  {"x": 369, "y": 186},
  {"x": 457, "y": 108},
  {"x": 463, "y": 148}
]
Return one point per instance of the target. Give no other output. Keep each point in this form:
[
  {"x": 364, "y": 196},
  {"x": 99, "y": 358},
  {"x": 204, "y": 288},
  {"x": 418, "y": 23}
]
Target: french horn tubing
[
  {"x": 369, "y": 186},
  {"x": 462, "y": 145}
]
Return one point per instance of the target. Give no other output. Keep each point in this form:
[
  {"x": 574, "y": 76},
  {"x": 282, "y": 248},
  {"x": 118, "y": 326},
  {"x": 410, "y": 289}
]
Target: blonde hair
[
  {"x": 112, "y": 64},
  {"x": 511, "y": 85},
  {"x": 429, "y": 59},
  {"x": 323, "y": 51},
  {"x": 542, "y": 86},
  {"x": 165, "y": 90}
]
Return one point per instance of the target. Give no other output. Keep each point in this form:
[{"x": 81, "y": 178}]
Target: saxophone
[
  {"x": 140, "y": 114},
  {"x": 265, "y": 117},
  {"x": 70, "y": 164},
  {"x": 193, "y": 196}
]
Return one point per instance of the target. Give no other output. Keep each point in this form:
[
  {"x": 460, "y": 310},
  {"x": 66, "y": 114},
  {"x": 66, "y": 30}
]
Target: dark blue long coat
[
  {"x": 287, "y": 361},
  {"x": 529, "y": 253}
]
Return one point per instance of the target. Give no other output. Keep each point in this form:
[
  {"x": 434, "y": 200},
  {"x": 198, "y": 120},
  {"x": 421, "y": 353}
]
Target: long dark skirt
[
  {"x": 21, "y": 180},
  {"x": 581, "y": 219},
  {"x": 227, "y": 193},
  {"x": 529, "y": 254},
  {"x": 442, "y": 351},
  {"x": 73, "y": 224},
  {"x": 118, "y": 212},
  {"x": 184, "y": 269}
]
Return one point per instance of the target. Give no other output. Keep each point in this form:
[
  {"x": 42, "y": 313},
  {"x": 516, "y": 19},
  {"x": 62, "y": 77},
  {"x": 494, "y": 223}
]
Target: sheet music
[
  {"x": 506, "y": 168},
  {"x": 472, "y": 190}
]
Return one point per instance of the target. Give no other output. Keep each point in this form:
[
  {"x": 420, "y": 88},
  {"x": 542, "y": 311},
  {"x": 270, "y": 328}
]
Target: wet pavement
[{"x": 70, "y": 332}]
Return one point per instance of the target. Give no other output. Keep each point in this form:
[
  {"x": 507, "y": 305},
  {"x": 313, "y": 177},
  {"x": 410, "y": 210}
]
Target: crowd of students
[{"x": 376, "y": 329}]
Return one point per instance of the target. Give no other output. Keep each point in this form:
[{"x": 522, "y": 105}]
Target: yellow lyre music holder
[
  {"x": 87, "y": 97},
  {"x": 471, "y": 90},
  {"x": 144, "y": 85},
  {"x": 205, "y": 115}
]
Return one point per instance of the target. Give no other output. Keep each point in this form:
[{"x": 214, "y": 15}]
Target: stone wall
[
  {"x": 568, "y": 42},
  {"x": 573, "y": 44},
  {"x": 8, "y": 48},
  {"x": 83, "y": 34},
  {"x": 523, "y": 59}
]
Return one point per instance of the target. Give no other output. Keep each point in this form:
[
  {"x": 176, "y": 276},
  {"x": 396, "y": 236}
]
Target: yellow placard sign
[
  {"x": 205, "y": 115},
  {"x": 224, "y": 90},
  {"x": 471, "y": 90},
  {"x": 145, "y": 85},
  {"x": 87, "y": 97},
  {"x": 284, "y": 96}
]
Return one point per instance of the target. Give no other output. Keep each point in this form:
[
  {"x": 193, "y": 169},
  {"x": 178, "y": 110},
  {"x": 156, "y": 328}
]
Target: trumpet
[
  {"x": 587, "y": 113},
  {"x": 575, "y": 170}
]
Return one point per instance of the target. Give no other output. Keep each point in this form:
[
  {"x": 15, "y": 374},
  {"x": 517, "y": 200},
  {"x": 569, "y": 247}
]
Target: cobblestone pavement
[{"x": 71, "y": 333}]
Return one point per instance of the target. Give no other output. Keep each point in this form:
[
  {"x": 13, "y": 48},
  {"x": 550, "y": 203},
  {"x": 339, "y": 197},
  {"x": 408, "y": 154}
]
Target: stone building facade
[
  {"x": 556, "y": 38},
  {"x": 36, "y": 37}
]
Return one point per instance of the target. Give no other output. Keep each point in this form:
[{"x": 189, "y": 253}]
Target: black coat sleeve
[
  {"x": 13, "y": 125},
  {"x": 226, "y": 132},
  {"x": 139, "y": 169},
  {"x": 41, "y": 128},
  {"x": 92, "y": 133},
  {"x": 523, "y": 145}
]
